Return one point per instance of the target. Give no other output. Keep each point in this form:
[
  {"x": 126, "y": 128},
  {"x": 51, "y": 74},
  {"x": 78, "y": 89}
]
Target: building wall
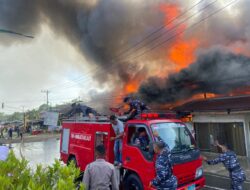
[
  {"x": 227, "y": 118},
  {"x": 247, "y": 133}
]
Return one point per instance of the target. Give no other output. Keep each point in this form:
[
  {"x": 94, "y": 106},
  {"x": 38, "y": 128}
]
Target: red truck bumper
[{"x": 200, "y": 183}]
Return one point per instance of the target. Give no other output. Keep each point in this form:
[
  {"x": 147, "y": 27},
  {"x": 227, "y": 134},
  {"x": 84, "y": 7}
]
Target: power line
[
  {"x": 161, "y": 43},
  {"x": 162, "y": 27},
  {"x": 181, "y": 32},
  {"x": 173, "y": 28},
  {"x": 15, "y": 33},
  {"x": 219, "y": 10}
]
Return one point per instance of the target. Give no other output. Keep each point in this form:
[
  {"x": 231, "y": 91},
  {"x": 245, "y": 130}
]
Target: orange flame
[
  {"x": 131, "y": 87},
  {"x": 171, "y": 11},
  {"x": 182, "y": 53}
]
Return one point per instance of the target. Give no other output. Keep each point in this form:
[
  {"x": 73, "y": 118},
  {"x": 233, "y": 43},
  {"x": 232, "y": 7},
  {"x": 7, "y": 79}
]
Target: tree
[
  {"x": 43, "y": 107},
  {"x": 2, "y": 116},
  {"x": 33, "y": 114},
  {"x": 15, "y": 116}
]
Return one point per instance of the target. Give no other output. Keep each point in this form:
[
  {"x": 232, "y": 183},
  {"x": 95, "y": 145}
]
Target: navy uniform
[
  {"x": 164, "y": 180},
  {"x": 138, "y": 106},
  {"x": 236, "y": 173},
  {"x": 143, "y": 142}
]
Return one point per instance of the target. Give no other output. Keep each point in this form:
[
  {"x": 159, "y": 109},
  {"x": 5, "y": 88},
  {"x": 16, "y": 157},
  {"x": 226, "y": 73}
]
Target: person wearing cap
[
  {"x": 118, "y": 127},
  {"x": 231, "y": 163},
  {"x": 136, "y": 107},
  {"x": 164, "y": 180}
]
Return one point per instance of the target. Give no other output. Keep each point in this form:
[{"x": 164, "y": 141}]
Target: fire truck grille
[{"x": 187, "y": 178}]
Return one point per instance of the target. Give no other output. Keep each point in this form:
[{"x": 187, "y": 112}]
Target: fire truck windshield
[{"x": 176, "y": 135}]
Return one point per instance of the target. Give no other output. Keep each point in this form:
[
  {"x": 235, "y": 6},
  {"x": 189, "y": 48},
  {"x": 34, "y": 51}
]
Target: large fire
[{"x": 181, "y": 52}]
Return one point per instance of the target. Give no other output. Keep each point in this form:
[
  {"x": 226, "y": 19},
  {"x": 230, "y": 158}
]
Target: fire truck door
[{"x": 101, "y": 138}]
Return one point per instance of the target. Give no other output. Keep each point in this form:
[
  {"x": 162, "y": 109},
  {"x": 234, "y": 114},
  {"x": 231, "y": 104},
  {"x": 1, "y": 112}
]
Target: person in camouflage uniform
[
  {"x": 136, "y": 107},
  {"x": 164, "y": 180},
  {"x": 231, "y": 163}
]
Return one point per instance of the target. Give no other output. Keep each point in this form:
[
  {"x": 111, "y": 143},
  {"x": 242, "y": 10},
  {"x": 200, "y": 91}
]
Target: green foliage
[
  {"x": 15, "y": 116},
  {"x": 43, "y": 107},
  {"x": 33, "y": 114},
  {"x": 15, "y": 174}
]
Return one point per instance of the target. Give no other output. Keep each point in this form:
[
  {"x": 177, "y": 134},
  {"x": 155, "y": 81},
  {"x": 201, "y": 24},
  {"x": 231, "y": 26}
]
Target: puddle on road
[{"x": 39, "y": 152}]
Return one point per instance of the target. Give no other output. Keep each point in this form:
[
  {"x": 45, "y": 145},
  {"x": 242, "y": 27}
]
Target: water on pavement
[{"x": 44, "y": 152}]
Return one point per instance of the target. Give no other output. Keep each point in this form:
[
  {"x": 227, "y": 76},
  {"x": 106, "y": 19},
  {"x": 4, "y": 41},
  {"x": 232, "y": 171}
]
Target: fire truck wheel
[
  {"x": 133, "y": 182},
  {"x": 72, "y": 159}
]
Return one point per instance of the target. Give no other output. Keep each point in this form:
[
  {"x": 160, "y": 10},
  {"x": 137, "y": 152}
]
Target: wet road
[{"x": 39, "y": 152}]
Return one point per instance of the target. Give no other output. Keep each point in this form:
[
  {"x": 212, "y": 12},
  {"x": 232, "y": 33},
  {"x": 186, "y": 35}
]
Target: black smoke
[
  {"x": 215, "y": 71},
  {"x": 99, "y": 29}
]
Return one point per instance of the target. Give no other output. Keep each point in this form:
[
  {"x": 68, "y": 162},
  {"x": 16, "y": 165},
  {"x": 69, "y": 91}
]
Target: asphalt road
[{"x": 216, "y": 182}]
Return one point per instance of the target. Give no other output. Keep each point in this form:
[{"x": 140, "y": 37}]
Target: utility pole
[{"x": 47, "y": 96}]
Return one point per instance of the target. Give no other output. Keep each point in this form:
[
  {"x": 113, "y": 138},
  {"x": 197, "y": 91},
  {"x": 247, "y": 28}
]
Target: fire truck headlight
[{"x": 199, "y": 172}]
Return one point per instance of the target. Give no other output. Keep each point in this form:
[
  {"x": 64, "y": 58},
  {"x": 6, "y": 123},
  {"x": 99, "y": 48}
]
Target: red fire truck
[{"x": 79, "y": 137}]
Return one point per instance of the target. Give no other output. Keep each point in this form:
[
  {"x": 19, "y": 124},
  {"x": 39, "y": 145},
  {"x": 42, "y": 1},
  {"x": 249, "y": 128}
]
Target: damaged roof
[{"x": 230, "y": 103}]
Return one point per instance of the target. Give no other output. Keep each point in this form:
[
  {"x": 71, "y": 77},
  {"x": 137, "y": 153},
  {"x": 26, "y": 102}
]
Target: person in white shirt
[
  {"x": 118, "y": 127},
  {"x": 100, "y": 175}
]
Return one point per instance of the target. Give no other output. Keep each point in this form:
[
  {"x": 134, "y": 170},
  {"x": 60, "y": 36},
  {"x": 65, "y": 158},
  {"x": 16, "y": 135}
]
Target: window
[
  {"x": 136, "y": 132},
  {"x": 65, "y": 141},
  {"x": 101, "y": 138},
  {"x": 138, "y": 136},
  {"x": 176, "y": 135}
]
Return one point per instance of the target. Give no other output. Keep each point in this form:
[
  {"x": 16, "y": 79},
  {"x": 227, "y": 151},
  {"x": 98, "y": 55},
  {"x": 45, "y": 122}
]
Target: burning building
[{"x": 165, "y": 51}]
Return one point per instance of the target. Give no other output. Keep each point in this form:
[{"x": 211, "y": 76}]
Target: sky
[{"x": 47, "y": 62}]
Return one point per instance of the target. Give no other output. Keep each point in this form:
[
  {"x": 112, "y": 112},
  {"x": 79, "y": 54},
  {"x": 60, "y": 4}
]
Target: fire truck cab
[{"x": 79, "y": 138}]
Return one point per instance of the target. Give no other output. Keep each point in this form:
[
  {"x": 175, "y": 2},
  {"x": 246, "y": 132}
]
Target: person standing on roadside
[
  {"x": 1, "y": 130},
  {"x": 22, "y": 130},
  {"x": 229, "y": 159},
  {"x": 10, "y": 132},
  {"x": 118, "y": 127},
  {"x": 100, "y": 175}
]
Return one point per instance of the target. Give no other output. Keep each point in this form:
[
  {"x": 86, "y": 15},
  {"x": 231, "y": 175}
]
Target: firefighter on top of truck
[
  {"x": 118, "y": 127},
  {"x": 136, "y": 107}
]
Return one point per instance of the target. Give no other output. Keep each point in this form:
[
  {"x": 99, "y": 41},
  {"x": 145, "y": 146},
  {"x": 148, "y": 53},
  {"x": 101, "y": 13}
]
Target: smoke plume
[
  {"x": 103, "y": 29},
  {"x": 215, "y": 71},
  {"x": 99, "y": 29}
]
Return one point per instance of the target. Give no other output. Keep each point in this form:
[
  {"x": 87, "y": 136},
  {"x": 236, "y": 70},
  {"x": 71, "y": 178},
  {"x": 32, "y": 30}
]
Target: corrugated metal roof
[{"x": 231, "y": 103}]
